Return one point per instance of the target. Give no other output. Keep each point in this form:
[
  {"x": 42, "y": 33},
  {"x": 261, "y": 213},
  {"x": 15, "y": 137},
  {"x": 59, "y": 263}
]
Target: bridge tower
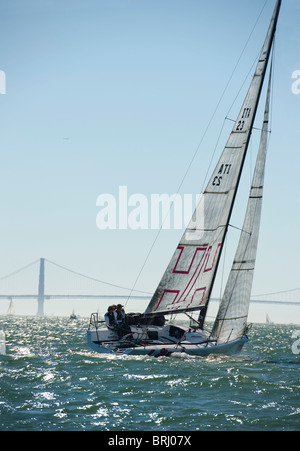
[{"x": 41, "y": 292}]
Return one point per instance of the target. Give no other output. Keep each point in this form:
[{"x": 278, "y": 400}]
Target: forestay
[{"x": 188, "y": 280}]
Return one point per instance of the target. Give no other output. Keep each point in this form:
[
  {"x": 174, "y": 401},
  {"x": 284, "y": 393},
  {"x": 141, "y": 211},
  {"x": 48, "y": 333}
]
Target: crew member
[
  {"x": 110, "y": 318},
  {"x": 122, "y": 328},
  {"x": 120, "y": 315}
]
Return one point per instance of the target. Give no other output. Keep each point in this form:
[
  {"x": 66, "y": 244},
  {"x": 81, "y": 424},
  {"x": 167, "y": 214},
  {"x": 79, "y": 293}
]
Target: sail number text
[
  {"x": 246, "y": 115},
  {"x": 224, "y": 170}
]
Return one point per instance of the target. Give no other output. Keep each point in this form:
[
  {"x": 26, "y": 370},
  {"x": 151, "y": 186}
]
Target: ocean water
[{"x": 50, "y": 380}]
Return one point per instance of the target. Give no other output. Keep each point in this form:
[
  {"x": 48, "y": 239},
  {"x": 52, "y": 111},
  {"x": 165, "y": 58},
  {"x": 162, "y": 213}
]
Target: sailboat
[
  {"x": 188, "y": 281},
  {"x": 11, "y": 308},
  {"x": 73, "y": 316}
]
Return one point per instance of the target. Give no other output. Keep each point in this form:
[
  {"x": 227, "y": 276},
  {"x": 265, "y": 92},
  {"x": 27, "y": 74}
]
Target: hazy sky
[{"x": 109, "y": 93}]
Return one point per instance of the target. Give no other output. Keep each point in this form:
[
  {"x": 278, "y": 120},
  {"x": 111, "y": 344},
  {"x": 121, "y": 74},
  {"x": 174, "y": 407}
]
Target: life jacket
[
  {"x": 111, "y": 318},
  {"x": 120, "y": 316}
]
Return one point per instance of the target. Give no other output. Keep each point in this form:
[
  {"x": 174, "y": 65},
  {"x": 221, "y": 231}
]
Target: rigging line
[
  {"x": 199, "y": 145},
  {"x": 19, "y": 270},
  {"x": 245, "y": 80},
  {"x": 221, "y": 98},
  {"x": 213, "y": 156},
  {"x": 277, "y": 292},
  {"x": 238, "y": 228},
  {"x": 171, "y": 207},
  {"x": 253, "y": 128},
  {"x": 273, "y": 84},
  {"x": 93, "y": 278},
  {"x": 273, "y": 59},
  {"x": 243, "y": 53},
  {"x": 218, "y": 104},
  {"x": 144, "y": 264}
]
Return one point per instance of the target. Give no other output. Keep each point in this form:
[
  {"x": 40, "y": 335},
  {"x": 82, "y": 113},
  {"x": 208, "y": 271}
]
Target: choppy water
[{"x": 50, "y": 380}]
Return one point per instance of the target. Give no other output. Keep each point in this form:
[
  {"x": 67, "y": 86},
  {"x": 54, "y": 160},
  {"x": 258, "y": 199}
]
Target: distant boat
[
  {"x": 73, "y": 316},
  {"x": 188, "y": 281},
  {"x": 268, "y": 319},
  {"x": 11, "y": 308}
]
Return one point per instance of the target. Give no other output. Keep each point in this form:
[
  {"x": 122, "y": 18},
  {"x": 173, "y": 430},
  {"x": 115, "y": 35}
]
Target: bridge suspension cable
[
  {"x": 72, "y": 272},
  {"x": 276, "y": 293},
  {"x": 94, "y": 279},
  {"x": 19, "y": 270}
]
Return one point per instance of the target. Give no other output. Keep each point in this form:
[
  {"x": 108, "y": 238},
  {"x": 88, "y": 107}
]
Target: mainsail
[
  {"x": 233, "y": 312},
  {"x": 188, "y": 281}
]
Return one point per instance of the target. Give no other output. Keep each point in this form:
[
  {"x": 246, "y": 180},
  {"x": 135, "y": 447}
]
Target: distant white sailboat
[
  {"x": 268, "y": 319},
  {"x": 11, "y": 308},
  {"x": 188, "y": 281}
]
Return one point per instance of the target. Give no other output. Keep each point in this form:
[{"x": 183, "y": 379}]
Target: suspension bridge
[
  {"x": 288, "y": 297},
  {"x": 41, "y": 296}
]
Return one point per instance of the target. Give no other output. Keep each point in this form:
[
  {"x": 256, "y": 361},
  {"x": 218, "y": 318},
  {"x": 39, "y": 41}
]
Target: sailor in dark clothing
[
  {"x": 122, "y": 328},
  {"x": 120, "y": 314},
  {"x": 110, "y": 318}
]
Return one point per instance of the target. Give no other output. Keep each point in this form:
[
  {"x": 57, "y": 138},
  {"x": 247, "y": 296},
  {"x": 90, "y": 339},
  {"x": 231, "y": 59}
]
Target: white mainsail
[
  {"x": 233, "y": 312},
  {"x": 189, "y": 277}
]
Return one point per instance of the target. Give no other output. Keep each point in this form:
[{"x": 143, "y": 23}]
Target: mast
[
  {"x": 189, "y": 278},
  {"x": 233, "y": 311}
]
